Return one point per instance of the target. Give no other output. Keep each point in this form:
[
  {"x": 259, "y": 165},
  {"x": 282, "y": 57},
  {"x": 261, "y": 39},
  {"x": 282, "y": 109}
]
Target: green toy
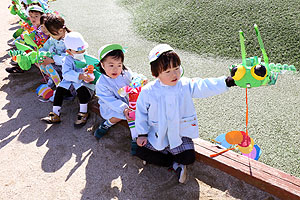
[
  {"x": 16, "y": 9},
  {"x": 90, "y": 60},
  {"x": 254, "y": 73},
  {"x": 25, "y": 60}
]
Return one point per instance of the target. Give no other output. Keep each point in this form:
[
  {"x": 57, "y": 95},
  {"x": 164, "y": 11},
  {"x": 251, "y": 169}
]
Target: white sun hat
[
  {"x": 158, "y": 50},
  {"x": 104, "y": 50},
  {"x": 34, "y": 8},
  {"x": 75, "y": 41}
]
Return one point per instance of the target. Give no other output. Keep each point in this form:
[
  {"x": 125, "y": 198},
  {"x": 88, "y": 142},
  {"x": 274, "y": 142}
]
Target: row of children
[{"x": 165, "y": 117}]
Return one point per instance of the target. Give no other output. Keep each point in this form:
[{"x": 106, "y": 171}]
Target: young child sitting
[
  {"x": 114, "y": 75},
  {"x": 35, "y": 12},
  {"x": 55, "y": 26},
  {"x": 166, "y": 119},
  {"x": 73, "y": 77}
]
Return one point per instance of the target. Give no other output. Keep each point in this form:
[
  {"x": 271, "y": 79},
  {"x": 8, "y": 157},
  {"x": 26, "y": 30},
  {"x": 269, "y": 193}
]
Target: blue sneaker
[{"x": 101, "y": 131}]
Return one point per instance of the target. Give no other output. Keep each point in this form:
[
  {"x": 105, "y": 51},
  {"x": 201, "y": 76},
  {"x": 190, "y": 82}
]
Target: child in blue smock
[
  {"x": 55, "y": 26},
  {"x": 73, "y": 77},
  {"x": 166, "y": 119},
  {"x": 114, "y": 75}
]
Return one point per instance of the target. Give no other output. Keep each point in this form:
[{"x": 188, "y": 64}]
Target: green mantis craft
[
  {"x": 25, "y": 60},
  {"x": 254, "y": 73},
  {"x": 16, "y": 9}
]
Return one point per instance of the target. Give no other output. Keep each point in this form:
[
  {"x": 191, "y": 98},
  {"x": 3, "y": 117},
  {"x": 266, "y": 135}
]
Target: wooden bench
[{"x": 264, "y": 177}]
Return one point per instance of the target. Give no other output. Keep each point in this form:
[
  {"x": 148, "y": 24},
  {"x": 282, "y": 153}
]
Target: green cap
[{"x": 104, "y": 50}]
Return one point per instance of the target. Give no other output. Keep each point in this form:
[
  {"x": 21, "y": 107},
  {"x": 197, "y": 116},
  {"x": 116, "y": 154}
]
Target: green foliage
[{"x": 212, "y": 27}]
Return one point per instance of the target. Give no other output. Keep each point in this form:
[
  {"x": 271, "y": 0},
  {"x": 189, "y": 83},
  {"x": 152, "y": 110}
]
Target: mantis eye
[
  {"x": 259, "y": 72},
  {"x": 238, "y": 72}
]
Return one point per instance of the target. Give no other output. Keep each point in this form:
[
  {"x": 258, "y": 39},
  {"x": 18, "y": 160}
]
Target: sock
[
  {"x": 83, "y": 108},
  {"x": 56, "y": 110},
  {"x": 181, "y": 166},
  {"x": 107, "y": 123},
  {"x": 175, "y": 165}
]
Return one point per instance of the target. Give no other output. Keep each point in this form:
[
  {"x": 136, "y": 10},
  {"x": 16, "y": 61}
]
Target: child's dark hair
[
  {"x": 163, "y": 62},
  {"x": 43, "y": 18},
  {"x": 116, "y": 54},
  {"x": 53, "y": 23}
]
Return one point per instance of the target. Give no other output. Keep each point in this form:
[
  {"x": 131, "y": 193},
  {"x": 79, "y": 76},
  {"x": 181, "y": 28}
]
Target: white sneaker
[{"x": 181, "y": 172}]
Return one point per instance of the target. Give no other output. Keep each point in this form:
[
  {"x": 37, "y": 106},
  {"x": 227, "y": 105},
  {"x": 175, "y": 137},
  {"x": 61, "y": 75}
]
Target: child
[
  {"x": 166, "y": 119},
  {"x": 55, "y": 26},
  {"x": 73, "y": 77},
  {"x": 115, "y": 75},
  {"x": 35, "y": 12}
]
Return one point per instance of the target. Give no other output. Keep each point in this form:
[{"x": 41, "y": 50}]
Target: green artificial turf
[{"x": 212, "y": 27}]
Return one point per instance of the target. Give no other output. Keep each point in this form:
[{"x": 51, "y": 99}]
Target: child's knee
[{"x": 186, "y": 158}]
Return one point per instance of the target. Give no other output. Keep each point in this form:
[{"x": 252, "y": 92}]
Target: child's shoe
[
  {"x": 52, "y": 118},
  {"x": 81, "y": 119},
  {"x": 101, "y": 131},
  {"x": 181, "y": 173}
]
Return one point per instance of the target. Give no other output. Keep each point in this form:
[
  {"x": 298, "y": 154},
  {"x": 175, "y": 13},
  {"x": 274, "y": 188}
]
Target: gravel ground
[{"x": 40, "y": 161}]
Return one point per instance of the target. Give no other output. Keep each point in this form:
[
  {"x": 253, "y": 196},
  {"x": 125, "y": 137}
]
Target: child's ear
[
  {"x": 60, "y": 31},
  {"x": 101, "y": 64}
]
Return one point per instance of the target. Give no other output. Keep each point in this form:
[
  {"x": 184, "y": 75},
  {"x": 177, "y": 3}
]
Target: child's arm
[
  {"x": 46, "y": 47},
  {"x": 108, "y": 97},
  {"x": 202, "y": 88},
  {"x": 58, "y": 59},
  {"x": 68, "y": 72},
  {"x": 141, "y": 119}
]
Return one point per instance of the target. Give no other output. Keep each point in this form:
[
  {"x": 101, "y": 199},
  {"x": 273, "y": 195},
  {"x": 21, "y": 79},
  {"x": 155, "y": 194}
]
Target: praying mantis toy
[
  {"x": 252, "y": 72},
  {"x": 25, "y": 56}
]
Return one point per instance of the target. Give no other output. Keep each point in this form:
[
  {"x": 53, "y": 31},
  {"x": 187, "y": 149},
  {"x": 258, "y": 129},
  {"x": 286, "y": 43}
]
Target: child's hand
[
  {"x": 126, "y": 113},
  {"x": 141, "y": 141},
  {"x": 145, "y": 81},
  {"x": 85, "y": 77},
  {"x": 47, "y": 61},
  {"x": 230, "y": 82}
]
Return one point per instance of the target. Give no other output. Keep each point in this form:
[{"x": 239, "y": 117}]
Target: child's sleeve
[
  {"x": 68, "y": 72},
  {"x": 141, "y": 114},
  {"x": 58, "y": 59},
  {"x": 202, "y": 88},
  {"x": 109, "y": 98},
  {"x": 46, "y": 46}
]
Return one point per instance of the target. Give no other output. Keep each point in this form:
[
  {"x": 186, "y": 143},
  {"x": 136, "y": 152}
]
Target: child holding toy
[
  {"x": 55, "y": 26},
  {"x": 114, "y": 75},
  {"x": 73, "y": 77},
  {"x": 166, "y": 119},
  {"x": 35, "y": 12}
]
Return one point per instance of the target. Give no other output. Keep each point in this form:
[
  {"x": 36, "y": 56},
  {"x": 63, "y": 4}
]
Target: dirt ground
[{"x": 40, "y": 161}]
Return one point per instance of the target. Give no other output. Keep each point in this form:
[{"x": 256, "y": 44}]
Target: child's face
[
  {"x": 113, "y": 67},
  {"x": 78, "y": 55},
  {"x": 44, "y": 29},
  {"x": 59, "y": 35},
  {"x": 35, "y": 18},
  {"x": 171, "y": 76}
]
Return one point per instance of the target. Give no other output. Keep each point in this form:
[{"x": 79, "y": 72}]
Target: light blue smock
[
  {"x": 70, "y": 74},
  {"x": 111, "y": 103},
  {"x": 167, "y": 113},
  {"x": 57, "y": 47}
]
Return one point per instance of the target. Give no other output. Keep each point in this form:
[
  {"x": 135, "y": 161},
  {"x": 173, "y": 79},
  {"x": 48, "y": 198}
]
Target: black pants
[
  {"x": 83, "y": 95},
  {"x": 166, "y": 160}
]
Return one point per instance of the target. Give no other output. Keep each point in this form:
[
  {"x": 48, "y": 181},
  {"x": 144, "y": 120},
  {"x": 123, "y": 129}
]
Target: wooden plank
[{"x": 264, "y": 177}]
